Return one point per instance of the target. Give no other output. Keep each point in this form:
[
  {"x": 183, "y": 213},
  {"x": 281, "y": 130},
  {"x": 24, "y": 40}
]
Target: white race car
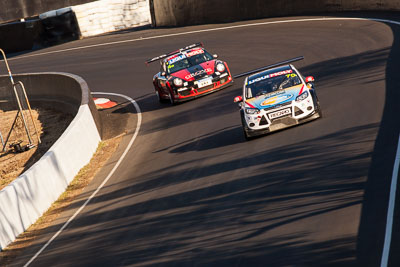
[{"x": 276, "y": 97}]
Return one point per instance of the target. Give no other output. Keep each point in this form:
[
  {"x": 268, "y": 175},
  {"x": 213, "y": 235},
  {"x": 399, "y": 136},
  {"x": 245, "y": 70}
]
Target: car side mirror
[
  {"x": 310, "y": 82},
  {"x": 238, "y": 99},
  {"x": 310, "y": 79},
  {"x": 215, "y": 56}
]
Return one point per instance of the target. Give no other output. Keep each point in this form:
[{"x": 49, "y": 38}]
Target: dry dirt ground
[{"x": 12, "y": 164}]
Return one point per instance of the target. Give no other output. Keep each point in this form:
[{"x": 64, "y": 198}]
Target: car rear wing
[
  {"x": 174, "y": 52},
  {"x": 269, "y": 66}
]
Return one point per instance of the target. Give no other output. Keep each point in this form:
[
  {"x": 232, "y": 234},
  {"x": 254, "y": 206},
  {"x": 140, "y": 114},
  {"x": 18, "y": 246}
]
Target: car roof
[
  {"x": 270, "y": 71},
  {"x": 180, "y": 52}
]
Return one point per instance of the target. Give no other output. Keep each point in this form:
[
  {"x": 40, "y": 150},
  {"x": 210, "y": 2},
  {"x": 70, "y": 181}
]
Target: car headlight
[
  {"x": 178, "y": 82},
  {"x": 302, "y": 96},
  {"x": 220, "y": 67},
  {"x": 252, "y": 110}
]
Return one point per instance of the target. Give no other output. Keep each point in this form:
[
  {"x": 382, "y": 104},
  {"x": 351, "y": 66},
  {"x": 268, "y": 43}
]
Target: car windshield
[
  {"x": 265, "y": 84},
  {"x": 185, "y": 62}
]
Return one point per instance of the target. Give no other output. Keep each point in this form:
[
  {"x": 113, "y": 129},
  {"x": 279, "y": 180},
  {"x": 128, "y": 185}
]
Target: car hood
[
  {"x": 195, "y": 72},
  {"x": 276, "y": 98}
]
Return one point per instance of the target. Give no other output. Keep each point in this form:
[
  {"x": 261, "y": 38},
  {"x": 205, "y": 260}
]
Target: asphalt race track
[{"x": 192, "y": 192}]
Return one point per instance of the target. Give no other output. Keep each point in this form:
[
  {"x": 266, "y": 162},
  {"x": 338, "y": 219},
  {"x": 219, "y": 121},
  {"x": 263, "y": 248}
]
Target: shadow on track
[
  {"x": 202, "y": 108},
  {"x": 224, "y": 137},
  {"x": 230, "y": 223},
  {"x": 184, "y": 215},
  {"x": 376, "y": 198}
]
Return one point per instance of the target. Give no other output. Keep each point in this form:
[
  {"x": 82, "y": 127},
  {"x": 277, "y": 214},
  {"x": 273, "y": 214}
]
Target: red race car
[{"x": 188, "y": 73}]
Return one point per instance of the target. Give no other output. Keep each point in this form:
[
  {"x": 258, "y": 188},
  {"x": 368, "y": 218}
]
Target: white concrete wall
[
  {"x": 30, "y": 195},
  {"x": 111, "y": 15}
]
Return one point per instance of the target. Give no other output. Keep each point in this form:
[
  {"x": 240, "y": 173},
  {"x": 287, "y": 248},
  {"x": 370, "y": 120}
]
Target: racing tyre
[
  {"x": 319, "y": 110},
  {"x": 316, "y": 103},
  {"x": 161, "y": 100},
  {"x": 171, "y": 98},
  {"x": 246, "y": 135}
]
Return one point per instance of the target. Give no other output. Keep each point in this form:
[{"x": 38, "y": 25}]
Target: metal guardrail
[{"x": 20, "y": 111}]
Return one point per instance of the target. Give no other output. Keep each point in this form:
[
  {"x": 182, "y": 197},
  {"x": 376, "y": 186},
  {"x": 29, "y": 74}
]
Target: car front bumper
[
  {"x": 191, "y": 93},
  {"x": 281, "y": 123}
]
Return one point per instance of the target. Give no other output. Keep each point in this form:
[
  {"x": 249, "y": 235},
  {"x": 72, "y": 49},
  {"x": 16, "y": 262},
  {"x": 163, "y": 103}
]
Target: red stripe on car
[
  {"x": 209, "y": 66},
  {"x": 183, "y": 75},
  {"x": 250, "y": 105},
  {"x": 301, "y": 90}
]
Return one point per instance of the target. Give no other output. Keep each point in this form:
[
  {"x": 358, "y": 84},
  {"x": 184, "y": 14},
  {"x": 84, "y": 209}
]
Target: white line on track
[
  {"x": 139, "y": 121},
  {"x": 197, "y": 31},
  {"x": 389, "y": 220},
  {"x": 392, "y": 199}
]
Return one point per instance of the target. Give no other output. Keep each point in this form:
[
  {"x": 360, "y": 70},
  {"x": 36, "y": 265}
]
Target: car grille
[
  {"x": 279, "y": 106},
  {"x": 297, "y": 111},
  {"x": 205, "y": 88},
  {"x": 185, "y": 92},
  {"x": 263, "y": 121}
]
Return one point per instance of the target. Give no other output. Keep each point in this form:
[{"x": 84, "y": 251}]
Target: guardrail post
[{"x": 20, "y": 109}]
